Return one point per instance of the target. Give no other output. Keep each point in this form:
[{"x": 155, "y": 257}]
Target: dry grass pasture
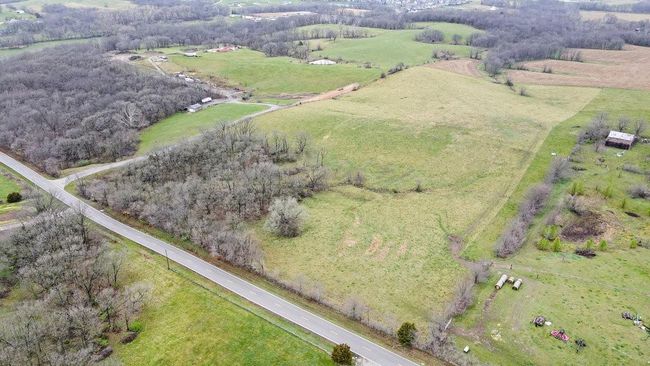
[
  {"x": 627, "y": 69},
  {"x": 466, "y": 140}
]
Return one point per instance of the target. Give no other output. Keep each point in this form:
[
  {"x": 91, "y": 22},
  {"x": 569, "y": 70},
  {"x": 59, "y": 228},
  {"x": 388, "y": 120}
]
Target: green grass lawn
[
  {"x": 188, "y": 324},
  {"x": 390, "y": 47},
  {"x": 183, "y": 125},
  {"x": 464, "y": 139},
  {"x": 8, "y": 183},
  {"x": 583, "y": 296},
  {"x": 269, "y": 76}
]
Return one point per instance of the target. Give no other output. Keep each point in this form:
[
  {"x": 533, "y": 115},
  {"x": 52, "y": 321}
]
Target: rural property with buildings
[{"x": 311, "y": 182}]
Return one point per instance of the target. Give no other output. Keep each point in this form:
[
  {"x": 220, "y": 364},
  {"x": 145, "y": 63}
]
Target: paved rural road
[{"x": 326, "y": 329}]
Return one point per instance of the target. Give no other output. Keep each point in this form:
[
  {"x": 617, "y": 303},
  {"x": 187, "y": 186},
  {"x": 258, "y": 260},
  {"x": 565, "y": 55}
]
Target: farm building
[
  {"x": 190, "y": 54},
  {"x": 206, "y": 100},
  {"x": 323, "y": 62},
  {"x": 194, "y": 108},
  {"x": 621, "y": 140}
]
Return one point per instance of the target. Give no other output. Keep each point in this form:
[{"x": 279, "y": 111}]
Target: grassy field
[
  {"x": 421, "y": 125},
  {"x": 388, "y": 48},
  {"x": 269, "y": 76},
  {"x": 583, "y": 296},
  {"x": 8, "y": 183},
  {"x": 7, "y": 52},
  {"x": 183, "y": 125},
  {"x": 188, "y": 324}
]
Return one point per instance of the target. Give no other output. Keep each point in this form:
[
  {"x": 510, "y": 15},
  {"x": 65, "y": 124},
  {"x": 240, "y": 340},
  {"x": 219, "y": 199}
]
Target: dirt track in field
[
  {"x": 628, "y": 69},
  {"x": 462, "y": 66}
]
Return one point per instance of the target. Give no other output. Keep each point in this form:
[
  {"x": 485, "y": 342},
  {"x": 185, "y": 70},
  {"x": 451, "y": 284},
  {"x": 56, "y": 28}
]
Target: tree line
[
  {"x": 205, "y": 190},
  {"x": 71, "y": 104},
  {"x": 75, "y": 297}
]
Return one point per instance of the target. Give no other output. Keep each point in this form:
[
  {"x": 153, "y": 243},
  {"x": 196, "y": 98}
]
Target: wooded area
[
  {"x": 206, "y": 189},
  {"x": 71, "y": 104}
]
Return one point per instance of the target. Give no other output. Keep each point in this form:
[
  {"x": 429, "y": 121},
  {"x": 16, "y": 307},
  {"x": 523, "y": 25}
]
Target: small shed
[
  {"x": 323, "y": 62},
  {"x": 206, "y": 100},
  {"x": 194, "y": 108},
  {"x": 620, "y": 140}
]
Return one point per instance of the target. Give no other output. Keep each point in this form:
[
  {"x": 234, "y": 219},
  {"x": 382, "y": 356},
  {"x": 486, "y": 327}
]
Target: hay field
[
  {"x": 269, "y": 77},
  {"x": 465, "y": 139},
  {"x": 627, "y": 69}
]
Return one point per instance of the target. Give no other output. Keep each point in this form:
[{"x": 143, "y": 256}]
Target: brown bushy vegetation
[
  {"x": 204, "y": 190},
  {"x": 514, "y": 236}
]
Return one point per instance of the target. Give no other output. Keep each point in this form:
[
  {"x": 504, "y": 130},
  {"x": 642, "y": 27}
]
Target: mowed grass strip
[
  {"x": 270, "y": 76},
  {"x": 183, "y": 125},
  {"x": 185, "y": 324},
  {"x": 465, "y": 140}
]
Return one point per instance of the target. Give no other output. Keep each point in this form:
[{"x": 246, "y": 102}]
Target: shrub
[
  {"x": 342, "y": 355},
  {"x": 286, "y": 217},
  {"x": 135, "y": 326},
  {"x": 557, "y": 245},
  {"x": 634, "y": 244},
  {"x": 596, "y": 131},
  {"x": 624, "y": 203},
  {"x": 430, "y": 36},
  {"x": 397, "y": 68},
  {"x": 577, "y": 189},
  {"x": 358, "y": 179},
  {"x": 636, "y": 191},
  {"x": 406, "y": 334},
  {"x": 14, "y": 197},
  {"x": 543, "y": 244},
  {"x": 602, "y": 246},
  {"x": 559, "y": 170},
  {"x": 101, "y": 342},
  {"x": 608, "y": 192},
  {"x": 590, "y": 244},
  {"x": 523, "y": 92},
  {"x": 550, "y": 232},
  {"x": 632, "y": 169}
]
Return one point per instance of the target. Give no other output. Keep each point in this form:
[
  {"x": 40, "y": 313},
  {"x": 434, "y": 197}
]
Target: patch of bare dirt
[
  {"x": 627, "y": 69},
  {"x": 584, "y": 227},
  {"x": 467, "y": 67},
  {"x": 374, "y": 245}
]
